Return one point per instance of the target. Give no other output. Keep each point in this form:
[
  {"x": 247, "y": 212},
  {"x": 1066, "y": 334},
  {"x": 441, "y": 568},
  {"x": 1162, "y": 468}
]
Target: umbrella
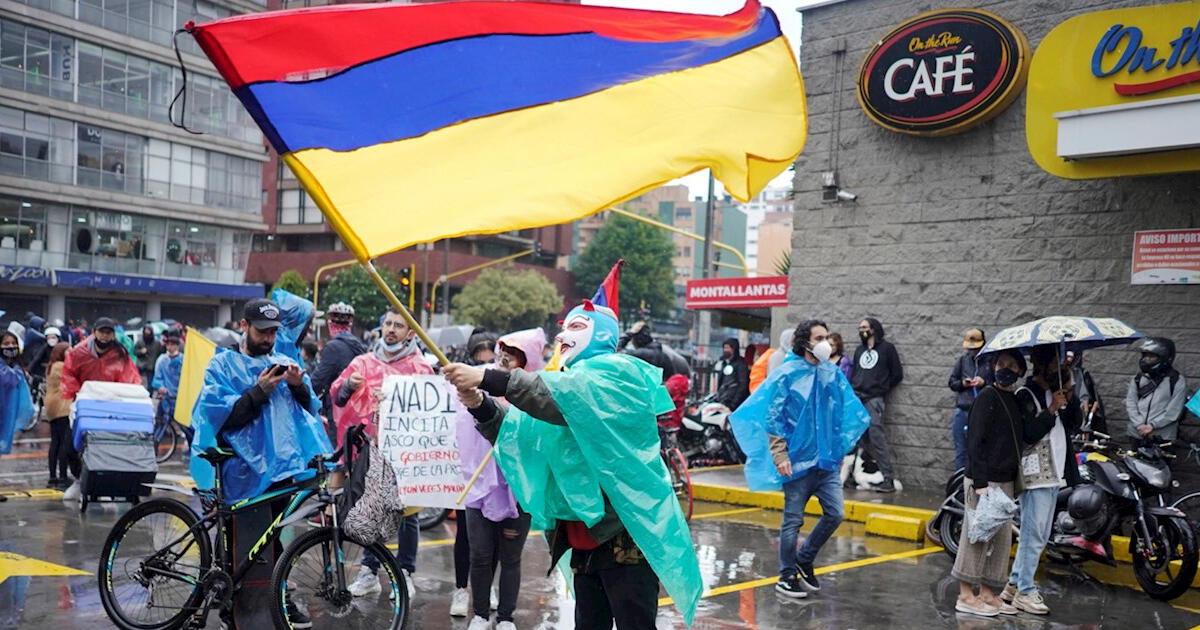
[
  {"x": 679, "y": 363},
  {"x": 1071, "y": 333},
  {"x": 223, "y": 337},
  {"x": 451, "y": 335}
]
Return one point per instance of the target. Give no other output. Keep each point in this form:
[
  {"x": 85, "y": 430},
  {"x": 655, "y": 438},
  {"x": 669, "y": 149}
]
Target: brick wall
[{"x": 966, "y": 230}]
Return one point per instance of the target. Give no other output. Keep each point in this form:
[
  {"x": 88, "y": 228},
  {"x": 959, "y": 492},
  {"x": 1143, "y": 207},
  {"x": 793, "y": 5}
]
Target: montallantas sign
[
  {"x": 762, "y": 292},
  {"x": 943, "y": 72}
]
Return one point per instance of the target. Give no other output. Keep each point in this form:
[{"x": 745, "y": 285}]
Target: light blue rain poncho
[
  {"x": 609, "y": 447},
  {"x": 813, "y": 407},
  {"x": 275, "y": 446},
  {"x": 16, "y": 405},
  {"x": 295, "y": 315}
]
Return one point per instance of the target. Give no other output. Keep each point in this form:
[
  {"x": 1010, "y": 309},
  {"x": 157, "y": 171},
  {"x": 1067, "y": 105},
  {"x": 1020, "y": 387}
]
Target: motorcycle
[
  {"x": 1122, "y": 491},
  {"x": 706, "y": 437}
]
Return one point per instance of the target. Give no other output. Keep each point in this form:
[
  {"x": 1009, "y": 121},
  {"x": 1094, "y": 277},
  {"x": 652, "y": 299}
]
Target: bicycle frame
[{"x": 221, "y": 516}]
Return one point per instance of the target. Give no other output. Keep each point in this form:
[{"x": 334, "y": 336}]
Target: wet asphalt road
[{"x": 869, "y": 582}]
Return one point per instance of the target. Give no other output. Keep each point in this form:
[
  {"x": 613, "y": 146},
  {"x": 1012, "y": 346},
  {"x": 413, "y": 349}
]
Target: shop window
[
  {"x": 90, "y": 309},
  {"x": 198, "y": 316}
]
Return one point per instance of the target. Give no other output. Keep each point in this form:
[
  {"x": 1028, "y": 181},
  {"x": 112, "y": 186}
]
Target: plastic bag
[{"x": 991, "y": 513}]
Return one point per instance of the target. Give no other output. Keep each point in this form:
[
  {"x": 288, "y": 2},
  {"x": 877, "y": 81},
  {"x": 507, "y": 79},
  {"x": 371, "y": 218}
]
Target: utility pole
[{"x": 704, "y": 327}]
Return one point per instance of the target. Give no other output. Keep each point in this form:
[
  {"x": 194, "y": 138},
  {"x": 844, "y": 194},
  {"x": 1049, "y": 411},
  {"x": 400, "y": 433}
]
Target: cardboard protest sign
[{"x": 417, "y": 435}]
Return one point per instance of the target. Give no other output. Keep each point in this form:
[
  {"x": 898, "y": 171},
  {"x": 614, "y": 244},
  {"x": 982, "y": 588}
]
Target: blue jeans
[
  {"x": 406, "y": 554},
  {"x": 958, "y": 429},
  {"x": 1037, "y": 519},
  {"x": 827, "y": 485}
]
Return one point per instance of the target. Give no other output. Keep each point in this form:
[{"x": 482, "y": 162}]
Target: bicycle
[
  {"x": 167, "y": 579},
  {"x": 167, "y": 432},
  {"x": 681, "y": 478}
]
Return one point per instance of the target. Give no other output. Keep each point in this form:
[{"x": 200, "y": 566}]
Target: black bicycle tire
[
  {"x": 169, "y": 430},
  {"x": 118, "y": 530},
  {"x": 314, "y": 537}
]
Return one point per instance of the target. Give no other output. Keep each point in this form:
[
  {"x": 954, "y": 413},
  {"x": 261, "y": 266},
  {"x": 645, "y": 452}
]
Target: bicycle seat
[{"x": 215, "y": 456}]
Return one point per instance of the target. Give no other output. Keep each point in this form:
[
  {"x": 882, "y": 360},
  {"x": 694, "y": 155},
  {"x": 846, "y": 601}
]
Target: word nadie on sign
[{"x": 942, "y": 72}]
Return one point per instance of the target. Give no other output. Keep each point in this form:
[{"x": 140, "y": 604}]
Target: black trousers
[
  {"x": 490, "y": 546},
  {"x": 625, "y": 593},
  {"x": 62, "y": 452},
  {"x": 462, "y": 551}
]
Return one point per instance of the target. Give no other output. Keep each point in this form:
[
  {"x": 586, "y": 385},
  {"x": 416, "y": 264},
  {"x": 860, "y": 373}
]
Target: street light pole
[{"x": 704, "y": 326}]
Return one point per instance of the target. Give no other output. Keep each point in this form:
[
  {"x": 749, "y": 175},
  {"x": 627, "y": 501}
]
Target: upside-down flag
[
  {"x": 408, "y": 123},
  {"x": 609, "y": 292}
]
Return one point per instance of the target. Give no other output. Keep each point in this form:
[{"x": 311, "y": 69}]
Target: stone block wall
[{"x": 950, "y": 233}]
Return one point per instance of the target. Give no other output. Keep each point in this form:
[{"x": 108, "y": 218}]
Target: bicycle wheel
[
  {"x": 681, "y": 479},
  {"x": 166, "y": 440},
  {"x": 151, "y": 566},
  {"x": 429, "y": 518},
  {"x": 306, "y": 575}
]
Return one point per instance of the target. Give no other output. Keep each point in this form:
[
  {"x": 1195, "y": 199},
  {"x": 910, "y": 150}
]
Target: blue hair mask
[{"x": 588, "y": 330}]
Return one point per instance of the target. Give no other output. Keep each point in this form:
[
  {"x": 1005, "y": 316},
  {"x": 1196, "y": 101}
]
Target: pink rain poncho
[
  {"x": 490, "y": 493},
  {"x": 360, "y": 409}
]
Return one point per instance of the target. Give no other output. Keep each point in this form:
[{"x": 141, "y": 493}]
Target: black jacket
[
  {"x": 653, "y": 354},
  {"x": 970, "y": 365},
  {"x": 1043, "y": 422},
  {"x": 733, "y": 377},
  {"x": 337, "y": 354},
  {"x": 1000, "y": 428},
  {"x": 876, "y": 370}
]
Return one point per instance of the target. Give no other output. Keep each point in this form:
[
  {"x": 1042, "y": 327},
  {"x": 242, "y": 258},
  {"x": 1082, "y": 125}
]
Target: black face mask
[
  {"x": 10, "y": 354},
  {"x": 103, "y": 345},
  {"x": 864, "y": 335},
  {"x": 1006, "y": 377}
]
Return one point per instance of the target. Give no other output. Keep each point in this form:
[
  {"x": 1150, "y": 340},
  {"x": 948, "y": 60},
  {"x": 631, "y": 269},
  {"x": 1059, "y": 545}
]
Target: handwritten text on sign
[{"x": 417, "y": 434}]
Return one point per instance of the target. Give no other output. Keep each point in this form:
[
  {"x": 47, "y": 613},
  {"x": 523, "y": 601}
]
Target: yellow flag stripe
[
  {"x": 744, "y": 116},
  {"x": 197, "y": 352}
]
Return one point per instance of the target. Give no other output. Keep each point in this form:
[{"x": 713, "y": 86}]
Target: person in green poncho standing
[{"x": 579, "y": 447}]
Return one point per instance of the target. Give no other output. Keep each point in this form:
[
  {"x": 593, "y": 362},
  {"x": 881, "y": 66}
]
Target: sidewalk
[{"x": 900, "y": 515}]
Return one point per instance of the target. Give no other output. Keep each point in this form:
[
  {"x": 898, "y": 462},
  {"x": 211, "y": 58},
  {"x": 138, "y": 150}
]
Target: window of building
[
  {"x": 196, "y": 315},
  {"x": 22, "y": 224},
  {"x": 35, "y": 146},
  {"x": 683, "y": 213},
  {"x": 296, "y": 207},
  {"x": 115, "y": 241},
  {"x": 109, "y": 159},
  {"x": 34, "y": 60},
  {"x": 192, "y": 244},
  {"x": 90, "y": 309}
]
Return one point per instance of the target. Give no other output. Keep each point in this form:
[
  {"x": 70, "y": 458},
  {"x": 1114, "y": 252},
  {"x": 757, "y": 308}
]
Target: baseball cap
[
  {"x": 973, "y": 338},
  {"x": 104, "y": 322},
  {"x": 262, "y": 313}
]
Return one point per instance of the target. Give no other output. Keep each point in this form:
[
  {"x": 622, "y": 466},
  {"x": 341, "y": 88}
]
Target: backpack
[{"x": 370, "y": 501}]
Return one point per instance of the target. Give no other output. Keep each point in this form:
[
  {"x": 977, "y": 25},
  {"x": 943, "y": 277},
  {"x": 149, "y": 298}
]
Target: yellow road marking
[
  {"x": 733, "y": 588},
  {"x": 16, "y": 564},
  {"x": 726, "y": 513},
  {"x": 43, "y": 493}
]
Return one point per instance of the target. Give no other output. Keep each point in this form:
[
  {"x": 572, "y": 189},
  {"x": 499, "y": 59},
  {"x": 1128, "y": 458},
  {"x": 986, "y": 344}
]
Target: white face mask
[
  {"x": 393, "y": 348},
  {"x": 574, "y": 341},
  {"x": 822, "y": 351}
]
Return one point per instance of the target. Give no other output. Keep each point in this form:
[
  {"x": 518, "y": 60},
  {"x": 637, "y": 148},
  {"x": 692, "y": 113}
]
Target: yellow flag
[{"x": 197, "y": 352}]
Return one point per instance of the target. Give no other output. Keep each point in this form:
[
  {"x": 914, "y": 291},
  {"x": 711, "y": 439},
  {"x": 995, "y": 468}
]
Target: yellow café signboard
[{"x": 1117, "y": 93}]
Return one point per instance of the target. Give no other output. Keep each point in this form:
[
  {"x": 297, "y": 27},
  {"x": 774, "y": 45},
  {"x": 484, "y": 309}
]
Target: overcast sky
[{"x": 789, "y": 21}]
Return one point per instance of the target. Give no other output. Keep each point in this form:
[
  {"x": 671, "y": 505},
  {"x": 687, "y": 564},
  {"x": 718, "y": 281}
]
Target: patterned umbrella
[{"x": 1072, "y": 333}]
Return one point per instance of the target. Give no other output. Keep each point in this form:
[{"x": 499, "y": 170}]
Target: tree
[
  {"x": 783, "y": 264},
  {"x": 354, "y": 287},
  {"x": 505, "y": 299},
  {"x": 648, "y": 274},
  {"x": 292, "y": 282}
]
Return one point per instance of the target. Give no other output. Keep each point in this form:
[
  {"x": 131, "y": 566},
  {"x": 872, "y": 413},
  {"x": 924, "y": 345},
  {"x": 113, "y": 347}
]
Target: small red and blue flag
[{"x": 607, "y": 294}]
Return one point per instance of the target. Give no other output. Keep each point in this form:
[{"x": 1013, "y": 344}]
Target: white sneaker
[
  {"x": 479, "y": 623},
  {"x": 494, "y": 600},
  {"x": 72, "y": 493},
  {"x": 506, "y": 625},
  {"x": 408, "y": 581},
  {"x": 459, "y": 602},
  {"x": 365, "y": 583}
]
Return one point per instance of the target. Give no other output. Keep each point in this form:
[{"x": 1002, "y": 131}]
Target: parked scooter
[
  {"x": 1123, "y": 492},
  {"x": 706, "y": 437}
]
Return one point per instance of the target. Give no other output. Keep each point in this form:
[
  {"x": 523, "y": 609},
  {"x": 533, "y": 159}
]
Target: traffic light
[{"x": 407, "y": 294}]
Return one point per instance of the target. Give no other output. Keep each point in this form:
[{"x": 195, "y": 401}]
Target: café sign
[
  {"x": 943, "y": 72},
  {"x": 1117, "y": 93}
]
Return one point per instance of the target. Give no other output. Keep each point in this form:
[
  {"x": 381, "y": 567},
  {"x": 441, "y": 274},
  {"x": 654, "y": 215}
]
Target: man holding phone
[
  {"x": 258, "y": 403},
  {"x": 970, "y": 374}
]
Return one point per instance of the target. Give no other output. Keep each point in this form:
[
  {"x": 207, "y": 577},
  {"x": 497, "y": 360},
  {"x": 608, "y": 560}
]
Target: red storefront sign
[
  {"x": 737, "y": 292},
  {"x": 1165, "y": 257}
]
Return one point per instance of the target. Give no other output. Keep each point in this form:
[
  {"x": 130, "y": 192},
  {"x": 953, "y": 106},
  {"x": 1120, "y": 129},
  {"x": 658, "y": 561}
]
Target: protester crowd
[{"x": 809, "y": 384}]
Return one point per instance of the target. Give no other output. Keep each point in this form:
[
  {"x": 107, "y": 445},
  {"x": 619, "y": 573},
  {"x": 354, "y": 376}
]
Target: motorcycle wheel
[
  {"x": 950, "y": 531},
  {"x": 1172, "y": 540}
]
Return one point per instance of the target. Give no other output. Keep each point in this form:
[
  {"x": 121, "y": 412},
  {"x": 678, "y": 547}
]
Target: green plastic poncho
[{"x": 610, "y": 444}]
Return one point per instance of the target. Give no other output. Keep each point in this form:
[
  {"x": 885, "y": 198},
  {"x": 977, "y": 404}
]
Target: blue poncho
[
  {"x": 16, "y": 405},
  {"x": 813, "y": 407},
  {"x": 294, "y": 318},
  {"x": 275, "y": 446}
]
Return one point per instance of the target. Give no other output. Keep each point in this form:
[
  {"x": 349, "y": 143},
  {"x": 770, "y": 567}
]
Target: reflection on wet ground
[{"x": 867, "y": 581}]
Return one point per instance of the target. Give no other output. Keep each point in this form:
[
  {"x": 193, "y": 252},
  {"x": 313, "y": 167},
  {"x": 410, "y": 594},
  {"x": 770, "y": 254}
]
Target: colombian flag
[{"x": 412, "y": 123}]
